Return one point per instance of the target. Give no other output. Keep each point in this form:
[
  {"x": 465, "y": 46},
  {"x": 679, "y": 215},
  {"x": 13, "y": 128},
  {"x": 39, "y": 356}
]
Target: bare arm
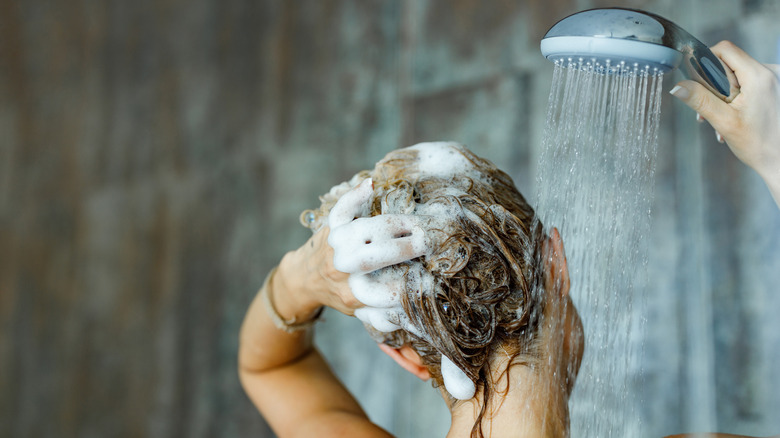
[
  {"x": 282, "y": 373},
  {"x": 750, "y": 124}
]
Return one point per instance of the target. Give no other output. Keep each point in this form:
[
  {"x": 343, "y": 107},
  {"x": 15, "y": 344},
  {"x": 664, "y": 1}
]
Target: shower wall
[{"x": 155, "y": 156}]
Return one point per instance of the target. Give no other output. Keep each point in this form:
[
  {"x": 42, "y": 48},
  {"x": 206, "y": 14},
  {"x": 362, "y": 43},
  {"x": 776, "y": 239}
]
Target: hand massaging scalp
[{"x": 364, "y": 246}]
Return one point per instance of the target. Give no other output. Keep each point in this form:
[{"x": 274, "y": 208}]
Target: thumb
[{"x": 701, "y": 100}]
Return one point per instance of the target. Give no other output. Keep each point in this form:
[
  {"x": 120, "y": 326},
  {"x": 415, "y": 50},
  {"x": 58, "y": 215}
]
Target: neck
[{"x": 535, "y": 405}]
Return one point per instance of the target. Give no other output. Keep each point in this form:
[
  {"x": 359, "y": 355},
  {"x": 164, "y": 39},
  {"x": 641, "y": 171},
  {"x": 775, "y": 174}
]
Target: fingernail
[
  {"x": 699, "y": 118},
  {"x": 719, "y": 137},
  {"x": 680, "y": 92}
]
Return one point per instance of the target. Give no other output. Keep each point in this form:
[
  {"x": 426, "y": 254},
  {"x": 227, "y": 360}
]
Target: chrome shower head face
[{"x": 611, "y": 36}]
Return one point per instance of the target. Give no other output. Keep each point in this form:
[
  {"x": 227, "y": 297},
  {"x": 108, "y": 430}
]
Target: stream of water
[{"x": 595, "y": 184}]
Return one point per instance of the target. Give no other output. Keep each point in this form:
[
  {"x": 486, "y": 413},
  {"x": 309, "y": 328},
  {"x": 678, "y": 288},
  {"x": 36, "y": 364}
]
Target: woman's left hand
[
  {"x": 309, "y": 280},
  {"x": 317, "y": 273}
]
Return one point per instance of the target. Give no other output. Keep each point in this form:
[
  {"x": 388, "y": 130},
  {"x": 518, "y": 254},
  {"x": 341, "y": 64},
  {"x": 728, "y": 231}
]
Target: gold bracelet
[{"x": 292, "y": 325}]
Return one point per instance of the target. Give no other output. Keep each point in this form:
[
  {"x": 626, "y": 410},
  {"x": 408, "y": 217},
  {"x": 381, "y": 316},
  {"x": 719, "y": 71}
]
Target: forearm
[
  {"x": 282, "y": 373},
  {"x": 772, "y": 179},
  {"x": 264, "y": 346},
  {"x": 304, "y": 398}
]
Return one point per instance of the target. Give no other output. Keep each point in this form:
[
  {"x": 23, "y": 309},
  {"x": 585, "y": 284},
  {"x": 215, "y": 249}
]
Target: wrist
[
  {"x": 771, "y": 177},
  {"x": 290, "y": 292},
  {"x": 769, "y": 172}
]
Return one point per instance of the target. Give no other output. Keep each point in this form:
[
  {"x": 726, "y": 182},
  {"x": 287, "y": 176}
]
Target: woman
[{"x": 448, "y": 267}]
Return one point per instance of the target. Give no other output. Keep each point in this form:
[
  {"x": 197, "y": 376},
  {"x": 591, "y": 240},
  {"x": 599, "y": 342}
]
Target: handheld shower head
[{"x": 609, "y": 36}]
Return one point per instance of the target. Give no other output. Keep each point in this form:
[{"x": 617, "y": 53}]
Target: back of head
[{"x": 485, "y": 278}]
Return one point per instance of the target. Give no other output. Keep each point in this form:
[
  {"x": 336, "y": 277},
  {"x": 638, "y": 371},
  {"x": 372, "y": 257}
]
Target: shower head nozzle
[
  {"x": 611, "y": 52},
  {"x": 611, "y": 37}
]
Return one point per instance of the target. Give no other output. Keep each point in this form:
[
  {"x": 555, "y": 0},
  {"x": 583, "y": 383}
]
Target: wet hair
[{"x": 488, "y": 281}]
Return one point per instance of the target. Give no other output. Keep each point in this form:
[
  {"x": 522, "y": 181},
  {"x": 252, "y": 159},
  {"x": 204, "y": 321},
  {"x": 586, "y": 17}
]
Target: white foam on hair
[
  {"x": 456, "y": 381},
  {"x": 377, "y": 280},
  {"x": 381, "y": 288},
  {"x": 384, "y": 320},
  {"x": 440, "y": 159},
  {"x": 368, "y": 244}
]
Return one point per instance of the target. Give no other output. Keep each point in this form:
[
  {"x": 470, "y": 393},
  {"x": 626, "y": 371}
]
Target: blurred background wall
[{"x": 155, "y": 156}]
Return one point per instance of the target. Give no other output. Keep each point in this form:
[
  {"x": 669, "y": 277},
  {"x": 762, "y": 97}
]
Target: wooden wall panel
[{"x": 154, "y": 158}]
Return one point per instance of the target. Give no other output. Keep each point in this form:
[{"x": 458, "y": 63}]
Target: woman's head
[
  {"x": 481, "y": 290},
  {"x": 487, "y": 282}
]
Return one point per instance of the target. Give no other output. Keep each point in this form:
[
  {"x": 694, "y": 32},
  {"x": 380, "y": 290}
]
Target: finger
[
  {"x": 368, "y": 244},
  {"x": 735, "y": 58},
  {"x": 368, "y": 230},
  {"x": 388, "y": 320},
  {"x": 379, "y": 319},
  {"x": 701, "y": 100},
  {"x": 352, "y": 204},
  {"x": 374, "y": 292},
  {"x": 373, "y": 256},
  {"x": 391, "y": 226}
]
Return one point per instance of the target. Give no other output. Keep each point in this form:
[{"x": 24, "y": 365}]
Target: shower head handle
[
  {"x": 615, "y": 29},
  {"x": 698, "y": 61}
]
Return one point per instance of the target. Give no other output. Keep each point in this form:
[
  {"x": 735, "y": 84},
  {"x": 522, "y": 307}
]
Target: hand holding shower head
[{"x": 615, "y": 35}]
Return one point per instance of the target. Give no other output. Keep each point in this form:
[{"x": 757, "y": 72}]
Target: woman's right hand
[{"x": 750, "y": 124}]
